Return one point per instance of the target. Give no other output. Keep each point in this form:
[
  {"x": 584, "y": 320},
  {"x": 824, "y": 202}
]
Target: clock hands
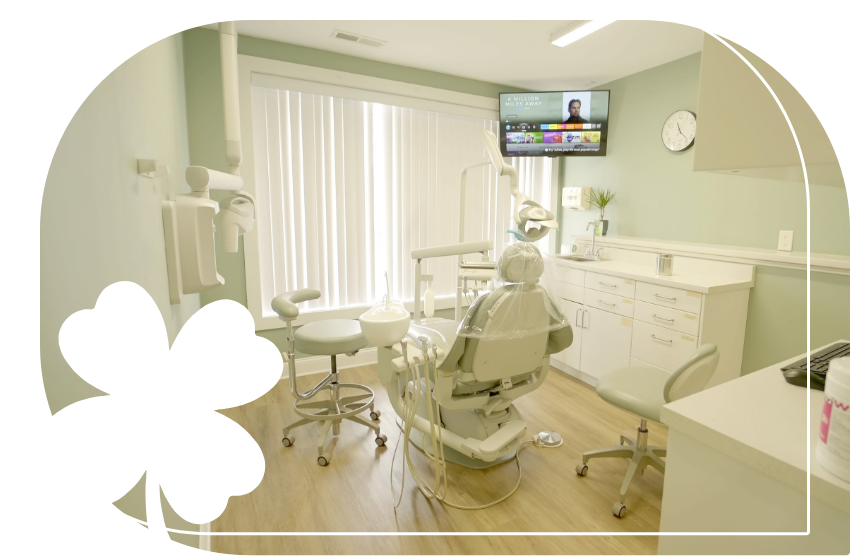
[{"x": 680, "y": 130}]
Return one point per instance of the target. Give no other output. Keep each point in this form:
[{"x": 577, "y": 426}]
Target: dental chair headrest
[{"x": 521, "y": 263}]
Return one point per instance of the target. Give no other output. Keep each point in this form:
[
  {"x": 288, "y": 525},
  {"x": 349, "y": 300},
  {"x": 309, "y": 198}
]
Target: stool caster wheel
[
  {"x": 375, "y": 414},
  {"x": 381, "y": 440},
  {"x": 581, "y": 469},
  {"x": 323, "y": 461},
  {"x": 287, "y": 442},
  {"x": 618, "y": 509}
]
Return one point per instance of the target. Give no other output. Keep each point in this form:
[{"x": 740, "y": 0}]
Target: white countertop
[
  {"x": 760, "y": 420},
  {"x": 824, "y": 262},
  {"x": 694, "y": 281}
]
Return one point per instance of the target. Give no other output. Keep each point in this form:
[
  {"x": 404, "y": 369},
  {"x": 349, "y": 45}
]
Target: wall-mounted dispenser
[
  {"x": 190, "y": 230},
  {"x": 188, "y": 221},
  {"x": 576, "y": 198}
]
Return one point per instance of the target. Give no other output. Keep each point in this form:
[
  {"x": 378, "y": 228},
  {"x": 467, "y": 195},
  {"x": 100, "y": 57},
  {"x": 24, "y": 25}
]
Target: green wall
[
  {"x": 205, "y": 116},
  {"x": 660, "y": 196},
  {"x": 101, "y": 222}
]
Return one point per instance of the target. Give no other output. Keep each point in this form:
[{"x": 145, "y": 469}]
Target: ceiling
[{"x": 516, "y": 53}]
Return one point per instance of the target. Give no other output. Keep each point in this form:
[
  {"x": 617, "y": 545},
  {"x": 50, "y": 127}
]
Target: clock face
[{"x": 679, "y": 130}]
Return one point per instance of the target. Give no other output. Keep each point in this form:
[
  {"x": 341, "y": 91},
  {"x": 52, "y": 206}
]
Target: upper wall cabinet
[{"x": 741, "y": 129}]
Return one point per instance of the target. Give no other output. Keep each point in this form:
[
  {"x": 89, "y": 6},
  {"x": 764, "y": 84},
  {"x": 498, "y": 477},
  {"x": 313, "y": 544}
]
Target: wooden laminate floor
[{"x": 353, "y": 494}]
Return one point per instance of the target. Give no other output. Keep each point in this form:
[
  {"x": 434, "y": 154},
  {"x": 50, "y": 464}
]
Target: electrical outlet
[{"x": 786, "y": 240}]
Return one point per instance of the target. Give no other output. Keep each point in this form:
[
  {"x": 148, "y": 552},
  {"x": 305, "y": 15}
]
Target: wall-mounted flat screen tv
[{"x": 565, "y": 123}]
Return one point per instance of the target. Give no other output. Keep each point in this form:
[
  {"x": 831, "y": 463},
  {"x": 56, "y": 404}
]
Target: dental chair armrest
[
  {"x": 284, "y": 304},
  {"x": 496, "y": 442}
]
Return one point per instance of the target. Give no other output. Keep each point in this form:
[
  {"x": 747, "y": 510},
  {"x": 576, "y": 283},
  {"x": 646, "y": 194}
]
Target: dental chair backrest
[{"x": 515, "y": 325}]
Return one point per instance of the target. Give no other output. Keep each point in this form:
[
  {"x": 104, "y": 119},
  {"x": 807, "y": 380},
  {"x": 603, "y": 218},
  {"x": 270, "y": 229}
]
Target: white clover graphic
[{"x": 158, "y": 417}]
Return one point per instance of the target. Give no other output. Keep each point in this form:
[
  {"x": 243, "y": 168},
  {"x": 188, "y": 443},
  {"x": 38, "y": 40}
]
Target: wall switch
[{"x": 786, "y": 240}]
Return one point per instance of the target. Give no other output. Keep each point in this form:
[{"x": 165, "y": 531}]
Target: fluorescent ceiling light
[{"x": 577, "y": 30}]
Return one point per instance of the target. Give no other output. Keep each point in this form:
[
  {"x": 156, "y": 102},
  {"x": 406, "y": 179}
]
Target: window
[{"x": 346, "y": 188}]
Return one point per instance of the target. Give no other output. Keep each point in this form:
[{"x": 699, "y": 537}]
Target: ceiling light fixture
[{"x": 576, "y": 30}]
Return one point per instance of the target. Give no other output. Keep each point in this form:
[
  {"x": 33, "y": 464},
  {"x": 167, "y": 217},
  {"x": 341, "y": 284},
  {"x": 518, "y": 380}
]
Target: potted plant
[{"x": 601, "y": 198}]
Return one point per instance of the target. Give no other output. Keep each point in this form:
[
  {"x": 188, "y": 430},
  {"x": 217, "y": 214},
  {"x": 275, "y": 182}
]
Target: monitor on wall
[{"x": 564, "y": 123}]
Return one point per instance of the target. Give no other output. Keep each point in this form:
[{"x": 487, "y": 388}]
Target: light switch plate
[{"x": 786, "y": 240}]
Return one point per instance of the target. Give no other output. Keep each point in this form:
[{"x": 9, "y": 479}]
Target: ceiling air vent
[{"x": 352, "y": 37}]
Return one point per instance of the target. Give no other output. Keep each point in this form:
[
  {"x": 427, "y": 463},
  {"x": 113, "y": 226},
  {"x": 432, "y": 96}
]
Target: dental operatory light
[{"x": 577, "y": 30}]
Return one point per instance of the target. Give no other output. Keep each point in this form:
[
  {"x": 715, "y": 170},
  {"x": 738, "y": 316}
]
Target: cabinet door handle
[
  {"x": 582, "y": 319},
  {"x": 662, "y": 318},
  {"x": 665, "y": 298},
  {"x": 577, "y": 324},
  {"x": 608, "y": 304},
  {"x": 607, "y": 285},
  {"x": 662, "y": 339}
]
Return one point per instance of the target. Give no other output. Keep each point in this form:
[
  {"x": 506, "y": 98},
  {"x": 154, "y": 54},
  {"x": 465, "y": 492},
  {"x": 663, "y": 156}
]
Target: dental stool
[
  {"x": 643, "y": 391},
  {"x": 345, "y": 401}
]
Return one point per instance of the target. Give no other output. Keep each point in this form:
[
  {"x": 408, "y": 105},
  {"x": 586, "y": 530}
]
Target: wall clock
[{"x": 679, "y": 130}]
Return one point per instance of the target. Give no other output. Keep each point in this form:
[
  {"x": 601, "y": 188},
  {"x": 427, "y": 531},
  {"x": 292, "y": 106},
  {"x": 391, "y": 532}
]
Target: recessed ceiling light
[{"x": 576, "y": 30}]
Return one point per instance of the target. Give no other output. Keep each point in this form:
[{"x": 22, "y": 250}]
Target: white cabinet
[
  {"x": 606, "y": 342},
  {"x": 661, "y": 347},
  {"x": 620, "y": 321},
  {"x": 572, "y": 355}
]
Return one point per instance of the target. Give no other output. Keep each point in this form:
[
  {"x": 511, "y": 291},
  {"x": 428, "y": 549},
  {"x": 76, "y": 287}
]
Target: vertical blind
[{"x": 345, "y": 189}]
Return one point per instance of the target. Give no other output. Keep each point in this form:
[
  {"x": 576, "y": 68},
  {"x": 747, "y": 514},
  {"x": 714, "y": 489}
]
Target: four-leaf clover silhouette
[{"x": 159, "y": 415}]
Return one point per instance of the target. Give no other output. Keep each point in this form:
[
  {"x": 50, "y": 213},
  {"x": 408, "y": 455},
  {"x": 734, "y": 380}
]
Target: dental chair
[
  {"x": 500, "y": 352},
  {"x": 642, "y": 391},
  {"x": 344, "y": 401}
]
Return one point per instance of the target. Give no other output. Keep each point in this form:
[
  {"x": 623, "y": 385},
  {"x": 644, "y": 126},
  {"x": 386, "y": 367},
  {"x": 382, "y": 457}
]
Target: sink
[
  {"x": 385, "y": 324},
  {"x": 579, "y": 258}
]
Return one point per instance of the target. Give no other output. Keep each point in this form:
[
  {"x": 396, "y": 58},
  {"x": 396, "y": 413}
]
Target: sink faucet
[{"x": 590, "y": 251}]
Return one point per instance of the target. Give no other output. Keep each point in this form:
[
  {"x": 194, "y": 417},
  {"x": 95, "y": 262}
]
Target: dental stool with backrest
[
  {"x": 643, "y": 391},
  {"x": 328, "y": 337}
]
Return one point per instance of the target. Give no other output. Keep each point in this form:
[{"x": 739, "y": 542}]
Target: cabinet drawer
[
  {"x": 610, "y": 284},
  {"x": 568, "y": 274},
  {"x": 667, "y": 318},
  {"x": 575, "y": 276},
  {"x": 660, "y": 346},
  {"x": 571, "y": 292},
  {"x": 611, "y": 303},
  {"x": 683, "y": 300}
]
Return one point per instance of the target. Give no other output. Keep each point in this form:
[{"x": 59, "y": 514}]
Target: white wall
[{"x": 101, "y": 223}]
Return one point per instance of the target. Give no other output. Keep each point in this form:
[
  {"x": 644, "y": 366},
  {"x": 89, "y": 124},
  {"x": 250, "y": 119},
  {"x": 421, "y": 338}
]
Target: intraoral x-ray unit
[{"x": 470, "y": 369}]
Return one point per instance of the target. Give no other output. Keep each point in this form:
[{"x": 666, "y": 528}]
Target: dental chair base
[
  {"x": 473, "y": 425},
  {"x": 633, "y": 449},
  {"x": 476, "y": 437}
]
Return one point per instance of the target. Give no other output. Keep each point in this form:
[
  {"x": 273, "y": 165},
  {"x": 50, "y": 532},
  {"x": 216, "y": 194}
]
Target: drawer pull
[
  {"x": 662, "y": 340},
  {"x": 608, "y": 304},
  {"x": 607, "y": 285},
  {"x": 665, "y": 298},
  {"x": 662, "y": 318}
]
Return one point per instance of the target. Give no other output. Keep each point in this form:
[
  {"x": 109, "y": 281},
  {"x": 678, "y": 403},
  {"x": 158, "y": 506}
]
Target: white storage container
[{"x": 833, "y": 451}]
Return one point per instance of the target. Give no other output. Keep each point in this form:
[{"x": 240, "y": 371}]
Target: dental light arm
[{"x": 525, "y": 210}]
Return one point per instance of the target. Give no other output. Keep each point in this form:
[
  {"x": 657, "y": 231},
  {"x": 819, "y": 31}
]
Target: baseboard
[
  {"x": 575, "y": 373},
  {"x": 322, "y": 363},
  {"x": 205, "y": 541}
]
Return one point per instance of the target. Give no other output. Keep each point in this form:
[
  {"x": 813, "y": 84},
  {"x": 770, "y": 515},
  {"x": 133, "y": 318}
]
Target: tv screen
[{"x": 567, "y": 123}]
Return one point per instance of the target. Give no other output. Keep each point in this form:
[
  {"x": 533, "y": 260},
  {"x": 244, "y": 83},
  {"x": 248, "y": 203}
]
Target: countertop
[
  {"x": 760, "y": 420},
  {"x": 824, "y": 262},
  {"x": 693, "y": 281}
]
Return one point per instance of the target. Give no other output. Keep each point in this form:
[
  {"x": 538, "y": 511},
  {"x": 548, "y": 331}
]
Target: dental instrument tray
[{"x": 795, "y": 373}]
